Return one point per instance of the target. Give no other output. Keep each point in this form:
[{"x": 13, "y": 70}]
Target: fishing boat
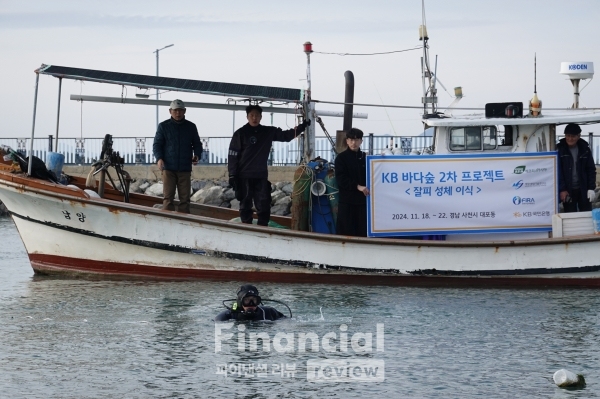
[{"x": 70, "y": 230}]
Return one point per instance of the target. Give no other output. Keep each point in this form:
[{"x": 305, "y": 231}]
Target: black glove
[
  {"x": 233, "y": 182},
  {"x": 303, "y": 125}
]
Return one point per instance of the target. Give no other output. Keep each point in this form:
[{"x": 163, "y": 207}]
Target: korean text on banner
[{"x": 455, "y": 194}]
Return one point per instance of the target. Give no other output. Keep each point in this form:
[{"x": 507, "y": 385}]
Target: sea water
[{"x": 95, "y": 338}]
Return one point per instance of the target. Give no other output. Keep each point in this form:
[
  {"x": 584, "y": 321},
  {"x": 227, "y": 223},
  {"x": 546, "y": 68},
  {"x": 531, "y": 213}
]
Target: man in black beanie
[{"x": 577, "y": 171}]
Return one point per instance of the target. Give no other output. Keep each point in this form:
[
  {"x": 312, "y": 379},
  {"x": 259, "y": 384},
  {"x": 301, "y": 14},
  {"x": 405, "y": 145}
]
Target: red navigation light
[{"x": 308, "y": 47}]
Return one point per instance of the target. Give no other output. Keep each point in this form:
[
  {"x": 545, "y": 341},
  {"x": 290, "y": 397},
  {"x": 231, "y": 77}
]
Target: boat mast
[
  {"x": 429, "y": 98},
  {"x": 535, "y": 105},
  {"x": 309, "y": 108}
]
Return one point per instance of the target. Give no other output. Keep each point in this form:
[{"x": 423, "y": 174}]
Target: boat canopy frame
[
  {"x": 250, "y": 92},
  {"x": 175, "y": 84}
]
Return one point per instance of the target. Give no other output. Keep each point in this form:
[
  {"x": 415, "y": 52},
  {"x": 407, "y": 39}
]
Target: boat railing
[{"x": 138, "y": 150}]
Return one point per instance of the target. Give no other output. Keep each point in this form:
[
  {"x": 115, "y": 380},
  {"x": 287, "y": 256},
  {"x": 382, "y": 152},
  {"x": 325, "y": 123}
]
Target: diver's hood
[{"x": 244, "y": 291}]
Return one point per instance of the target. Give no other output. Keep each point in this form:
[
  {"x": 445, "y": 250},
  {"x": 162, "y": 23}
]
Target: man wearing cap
[
  {"x": 247, "y": 163},
  {"x": 248, "y": 306},
  {"x": 176, "y": 147},
  {"x": 577, "y": 171},
  {"x": 351, "y": 178}
]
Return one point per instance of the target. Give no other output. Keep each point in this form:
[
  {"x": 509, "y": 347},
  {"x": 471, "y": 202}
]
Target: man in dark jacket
[
  {"x": 248, "y": 307},
  {"x": 176, "y": 147},
  {"x": 351, "y": 177},
  {"x": 247, "y": 163},
  {"x": 577, "y": 174}
]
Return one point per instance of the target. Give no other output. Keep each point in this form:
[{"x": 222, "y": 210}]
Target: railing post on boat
[
  {"x": 591, "y": 141},
  {"x": 30, "y": 163},
  {"x": 50, "y": 140},
  {"x": 58, "y": 113},
  {"x": 371, "y": 143}
]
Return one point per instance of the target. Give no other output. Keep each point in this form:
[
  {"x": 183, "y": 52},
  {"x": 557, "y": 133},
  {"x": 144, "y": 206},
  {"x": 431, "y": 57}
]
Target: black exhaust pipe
[
  {"x": 348, "y": 100},
  {"x": 340, "y": 137}
]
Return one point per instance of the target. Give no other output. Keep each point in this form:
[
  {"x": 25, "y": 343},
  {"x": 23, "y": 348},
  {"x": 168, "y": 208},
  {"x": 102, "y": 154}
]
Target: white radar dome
[{"x": 577, "y": 70}]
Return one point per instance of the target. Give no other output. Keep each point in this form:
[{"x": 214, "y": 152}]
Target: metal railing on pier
[{"x": 138, "y": 150}]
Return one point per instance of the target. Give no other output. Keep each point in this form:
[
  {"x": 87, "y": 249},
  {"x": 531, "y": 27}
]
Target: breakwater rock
[{"x": 218, "y": 193}]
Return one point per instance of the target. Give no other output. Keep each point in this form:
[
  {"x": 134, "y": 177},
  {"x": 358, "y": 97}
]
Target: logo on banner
[
  {"x": 523, "y": 201},
  {"x": 522, "y": 169},
  {"x": 518, "y": 185}
]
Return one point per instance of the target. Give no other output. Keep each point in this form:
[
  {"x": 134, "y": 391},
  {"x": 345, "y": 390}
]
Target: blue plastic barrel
[
  {"x": 55, "y": 162},
  {"x": 596, "y": 220},
  {"x": 321, "y": 214}
]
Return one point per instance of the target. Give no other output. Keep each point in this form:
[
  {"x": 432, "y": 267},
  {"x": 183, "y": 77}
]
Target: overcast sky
[{"x": 487, "y": 47}]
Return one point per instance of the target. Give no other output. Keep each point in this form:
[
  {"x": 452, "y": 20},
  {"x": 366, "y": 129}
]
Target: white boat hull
[{"x": 69, "y": 234}]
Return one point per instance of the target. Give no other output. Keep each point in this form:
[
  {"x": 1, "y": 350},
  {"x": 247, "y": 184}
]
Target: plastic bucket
[{"x": 55, "y": 162}]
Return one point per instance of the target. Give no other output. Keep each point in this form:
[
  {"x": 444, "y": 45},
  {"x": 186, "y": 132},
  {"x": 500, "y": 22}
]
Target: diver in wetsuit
[{"x": 248, "y": 307}]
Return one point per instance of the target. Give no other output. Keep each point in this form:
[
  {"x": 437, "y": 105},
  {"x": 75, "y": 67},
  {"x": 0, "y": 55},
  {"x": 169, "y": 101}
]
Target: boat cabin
[{"x": 478, "y": 133}]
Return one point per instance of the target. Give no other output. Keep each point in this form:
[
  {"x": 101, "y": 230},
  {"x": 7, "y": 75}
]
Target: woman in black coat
[{"x": 351, "y": 177}]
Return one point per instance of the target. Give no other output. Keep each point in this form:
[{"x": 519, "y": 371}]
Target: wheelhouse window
[
  {"x": 505, "y": 135},
  {"x": 473, "y": 138}
]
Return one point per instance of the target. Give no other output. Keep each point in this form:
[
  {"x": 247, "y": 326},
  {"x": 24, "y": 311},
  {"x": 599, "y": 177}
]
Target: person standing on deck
[
  {"x": 247, "y": 163},
  {"x": 175, "y": 142},
  {"x": 351, "y": 178},
  {"x": 577, "y": 171}
]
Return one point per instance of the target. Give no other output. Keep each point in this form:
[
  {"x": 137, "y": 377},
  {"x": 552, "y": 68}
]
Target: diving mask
[{"x": 251, "y": 301}]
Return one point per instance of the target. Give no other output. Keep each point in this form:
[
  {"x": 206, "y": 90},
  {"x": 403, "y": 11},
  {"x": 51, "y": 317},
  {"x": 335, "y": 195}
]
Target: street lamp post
[{"x": 156, "y": 51}]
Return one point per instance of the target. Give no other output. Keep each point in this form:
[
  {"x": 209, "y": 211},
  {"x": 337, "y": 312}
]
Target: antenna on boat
[
  {"x": 429, "y": 98},
  {"x": 535, "y": 104},
  {"x": 577, "y": 71}
]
